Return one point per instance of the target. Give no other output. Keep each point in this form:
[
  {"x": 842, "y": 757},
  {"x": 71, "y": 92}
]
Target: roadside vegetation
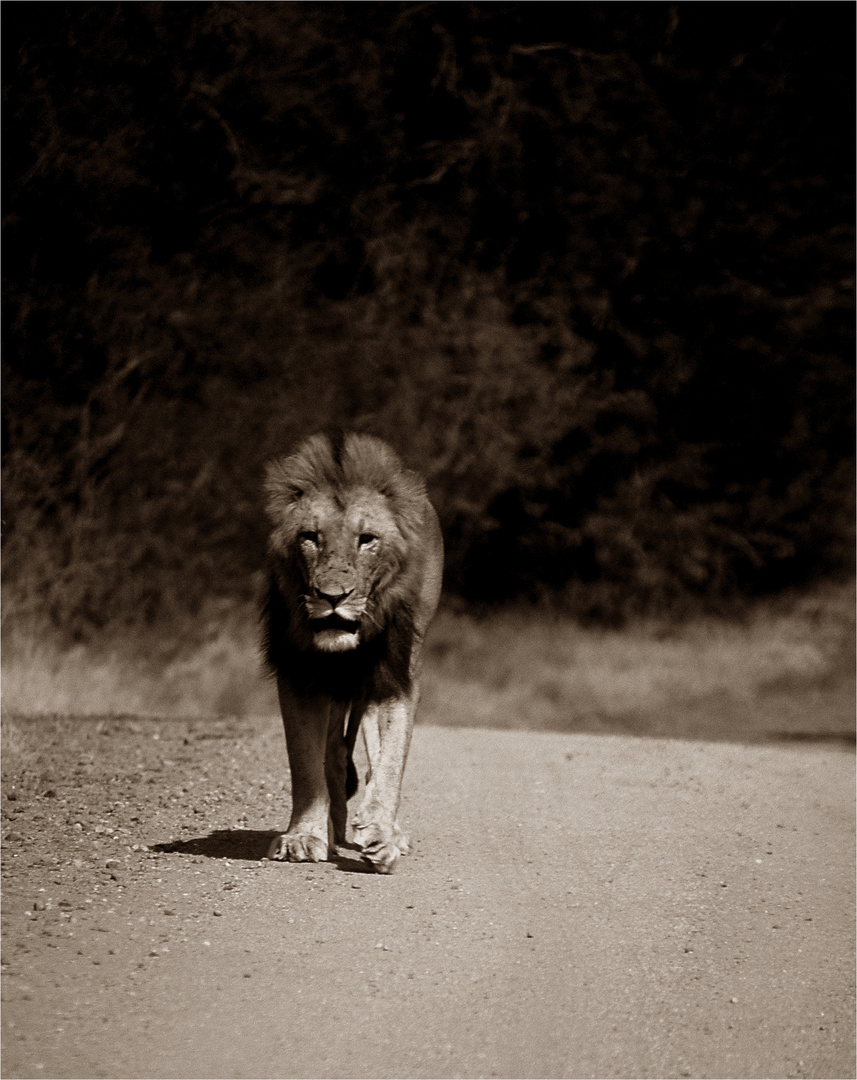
[
  {"x": 588, "y": 267},
  {"x": 782, "y": 667}
]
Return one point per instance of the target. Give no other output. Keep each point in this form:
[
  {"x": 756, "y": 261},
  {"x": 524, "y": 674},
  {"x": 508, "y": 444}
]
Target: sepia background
[{"x": 588, "y": 267}]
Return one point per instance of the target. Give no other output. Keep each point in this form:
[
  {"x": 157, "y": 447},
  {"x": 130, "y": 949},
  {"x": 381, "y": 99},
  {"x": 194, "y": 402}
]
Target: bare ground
[{"x": 577, "y": 905}]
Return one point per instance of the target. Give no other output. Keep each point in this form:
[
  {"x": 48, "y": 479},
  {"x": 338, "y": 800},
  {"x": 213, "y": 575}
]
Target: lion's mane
[{"x": 379, "y": 667}]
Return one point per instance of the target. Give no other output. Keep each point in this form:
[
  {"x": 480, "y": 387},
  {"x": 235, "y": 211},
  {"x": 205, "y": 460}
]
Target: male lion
[{"x": 356, "y": 558}]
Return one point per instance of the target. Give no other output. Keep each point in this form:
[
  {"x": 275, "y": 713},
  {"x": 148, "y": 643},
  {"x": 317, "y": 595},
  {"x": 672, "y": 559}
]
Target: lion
[{"x": 356, "y": 559}]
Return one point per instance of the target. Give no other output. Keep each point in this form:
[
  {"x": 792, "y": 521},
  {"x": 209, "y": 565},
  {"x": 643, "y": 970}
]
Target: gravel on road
[{"x": 576, "y": 905}]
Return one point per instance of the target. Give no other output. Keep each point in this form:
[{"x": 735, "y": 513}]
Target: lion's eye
[
  {"x": 309, "y": 537},
  {"x": 367, "y": 538}
]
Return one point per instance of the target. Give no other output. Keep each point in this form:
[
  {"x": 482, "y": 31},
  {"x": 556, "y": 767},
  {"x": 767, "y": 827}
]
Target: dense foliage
[{"x": 588, "y": 266}]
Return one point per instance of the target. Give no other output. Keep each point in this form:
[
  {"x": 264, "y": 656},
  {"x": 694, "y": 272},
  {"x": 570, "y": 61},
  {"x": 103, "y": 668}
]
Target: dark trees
[{"x": 589, "y": 267}]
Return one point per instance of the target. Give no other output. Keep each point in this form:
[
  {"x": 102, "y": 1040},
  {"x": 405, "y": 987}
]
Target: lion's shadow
[{"x": 253, "y": 845}]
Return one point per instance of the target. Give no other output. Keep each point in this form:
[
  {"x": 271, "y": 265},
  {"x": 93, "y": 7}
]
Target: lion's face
[{"x": 344, "y": 548}]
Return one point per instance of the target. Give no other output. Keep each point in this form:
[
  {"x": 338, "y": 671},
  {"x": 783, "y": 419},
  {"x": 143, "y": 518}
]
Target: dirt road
[{"x": 576, "y": 905}]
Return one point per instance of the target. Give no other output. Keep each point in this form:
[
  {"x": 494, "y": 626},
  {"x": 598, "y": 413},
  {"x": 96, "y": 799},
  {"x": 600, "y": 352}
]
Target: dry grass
[
  {"x": 512, "y": 669},
  {"x": 529, "y": 671},
  {"x": 222, "y": 677}
]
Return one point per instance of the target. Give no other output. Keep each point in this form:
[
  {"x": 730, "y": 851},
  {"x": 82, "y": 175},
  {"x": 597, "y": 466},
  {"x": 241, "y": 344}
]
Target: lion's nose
[{"x": 333, "y": 598}]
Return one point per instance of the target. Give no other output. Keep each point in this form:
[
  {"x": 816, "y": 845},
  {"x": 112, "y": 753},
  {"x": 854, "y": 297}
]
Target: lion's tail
[{"x": 351, "y": 781}]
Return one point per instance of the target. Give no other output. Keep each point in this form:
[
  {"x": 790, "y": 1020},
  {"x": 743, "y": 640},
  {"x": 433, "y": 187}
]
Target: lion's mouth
[
  {"x": 334, "y": 622},
  {"x": 335, "y": 634}
]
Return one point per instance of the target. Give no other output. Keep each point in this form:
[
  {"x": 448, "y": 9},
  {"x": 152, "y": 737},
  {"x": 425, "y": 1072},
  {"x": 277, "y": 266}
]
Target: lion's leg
[
  {"x": 306, "y": 724},
  {"x": 372, "y": 742},
  {"x": 336, "y": 772},
  {"x": 387, "y": 731}
]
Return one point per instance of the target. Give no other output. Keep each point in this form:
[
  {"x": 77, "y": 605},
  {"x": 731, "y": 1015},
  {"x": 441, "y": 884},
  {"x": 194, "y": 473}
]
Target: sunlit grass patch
[
  {"x": 525, "y": 670},
  {"x": 222, "y": 676}
]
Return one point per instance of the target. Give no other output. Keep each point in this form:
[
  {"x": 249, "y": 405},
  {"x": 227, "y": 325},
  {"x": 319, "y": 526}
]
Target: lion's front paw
[
  {"x": 382, "y": 857},
  {"x": 380, "y": 850},
  {"x": 298, "y": 847}
]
